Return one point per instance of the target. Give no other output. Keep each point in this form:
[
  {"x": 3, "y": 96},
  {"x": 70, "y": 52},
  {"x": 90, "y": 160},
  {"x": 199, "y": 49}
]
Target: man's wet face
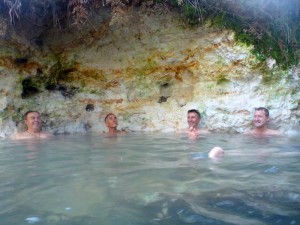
[
  {"x": 111, "y": 121},
  {"x": 260, "y": 119},
  {"x": 33, "y": 121},
  {"x": 193, "y": 119}
]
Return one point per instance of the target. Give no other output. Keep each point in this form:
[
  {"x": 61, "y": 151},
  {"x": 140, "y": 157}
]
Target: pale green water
[{"x": 140, "y": 179}]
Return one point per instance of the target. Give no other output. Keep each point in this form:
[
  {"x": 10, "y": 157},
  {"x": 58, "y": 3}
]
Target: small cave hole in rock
[
  {"x": 20, "y": 61},
  {"x": 165, "y": 85},
  {"x": 89, "y": 107},
  {"x": 39, "y": 71},
  {"x": 28, "y": 88},
  {"x": 163, "y": 99}
]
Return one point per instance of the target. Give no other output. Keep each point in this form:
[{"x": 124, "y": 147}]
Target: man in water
[
  {"x": 33, "y": 122},
  {"x": 193, "y": 120},
  {"x": 260, "y": 122},
  {"x": 111, "y": 122}
]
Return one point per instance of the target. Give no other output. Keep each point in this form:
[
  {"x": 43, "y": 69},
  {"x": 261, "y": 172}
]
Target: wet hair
[
  {"x": 263, "y": 109},
  {"x": 195, "y": 111},
  {"x": 30, "y": 111},
  {"x": 108, "y": 116}
]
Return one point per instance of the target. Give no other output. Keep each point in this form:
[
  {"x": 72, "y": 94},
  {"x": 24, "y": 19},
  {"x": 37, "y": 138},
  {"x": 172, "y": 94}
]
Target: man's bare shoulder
[
  {"x": 249, "y": 132},
  {"x": 188, "y": 130},
  {"x": 268, "y": 132},
  {"x": 273, "y": 132},
  {"x": 21, "y": 136},
  {"x": 182, "y": 131},
  {"x": 116, "y": 133},
  {"x": 46, "y": 134},
  {"x": 203, "y": 131},
  {"x": 25, "y": 135}
]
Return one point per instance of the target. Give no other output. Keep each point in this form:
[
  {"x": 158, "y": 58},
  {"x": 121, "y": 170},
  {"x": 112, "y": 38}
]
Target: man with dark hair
[
  {"x": 195, "y": 111},
  {"x": 260, "y": 122},
  {"x": 263, "y": 109},
  {"x": 193, "y": 120},
  {"x": 33, "y": 122}
]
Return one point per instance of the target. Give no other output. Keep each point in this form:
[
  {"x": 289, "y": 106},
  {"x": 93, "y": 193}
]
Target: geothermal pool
[{"x": 150, "y": 178}]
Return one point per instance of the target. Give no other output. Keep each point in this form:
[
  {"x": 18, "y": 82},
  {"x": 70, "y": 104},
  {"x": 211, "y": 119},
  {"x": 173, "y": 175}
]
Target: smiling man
[
  {"x": 33, "y": 122},
  {"x": 260, "y": 122},
  {"x": 193, "y": 120},
  {"x": 194, "y": 131}
]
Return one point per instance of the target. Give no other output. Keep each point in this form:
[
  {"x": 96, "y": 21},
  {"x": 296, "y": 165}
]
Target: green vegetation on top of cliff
[{"x": 272, "y": 27}]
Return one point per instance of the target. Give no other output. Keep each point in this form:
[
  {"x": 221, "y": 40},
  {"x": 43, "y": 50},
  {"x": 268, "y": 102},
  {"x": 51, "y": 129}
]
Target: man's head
[
  {"x": 33, "y": 120},
  {"x": 193, "y": 118},
  {"x": 261, "y": 117},
  {"x": 111, "y": 120}
]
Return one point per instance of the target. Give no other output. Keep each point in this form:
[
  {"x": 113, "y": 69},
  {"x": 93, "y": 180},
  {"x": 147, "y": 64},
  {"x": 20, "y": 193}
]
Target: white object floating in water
[
  {"x": 68, "y": 208},
  {"x": 32, "y": 220}
]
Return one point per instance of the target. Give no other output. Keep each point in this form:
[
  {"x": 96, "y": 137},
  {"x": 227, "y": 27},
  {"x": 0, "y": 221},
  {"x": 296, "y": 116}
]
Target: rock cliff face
[{"x": 148, "y": 68}]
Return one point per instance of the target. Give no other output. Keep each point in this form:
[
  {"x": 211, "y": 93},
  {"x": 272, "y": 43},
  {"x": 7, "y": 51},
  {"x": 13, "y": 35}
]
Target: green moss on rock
[
  {"x": 268, "y": 40},
  {"x": 222, "y": 79}
]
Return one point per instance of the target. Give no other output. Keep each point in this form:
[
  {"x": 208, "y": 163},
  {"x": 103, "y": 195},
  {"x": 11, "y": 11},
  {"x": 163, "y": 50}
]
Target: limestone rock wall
[{"x": 149, "y": 68}]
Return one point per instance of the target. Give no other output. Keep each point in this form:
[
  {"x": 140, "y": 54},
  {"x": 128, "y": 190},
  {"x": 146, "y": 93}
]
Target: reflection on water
[{"x": 139, "y": 179}]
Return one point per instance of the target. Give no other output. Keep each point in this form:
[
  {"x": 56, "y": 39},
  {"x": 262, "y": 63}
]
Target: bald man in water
[{"x": 33, "y": 122}]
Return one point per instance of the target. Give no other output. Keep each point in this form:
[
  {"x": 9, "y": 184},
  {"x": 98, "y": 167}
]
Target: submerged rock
[{"x": 190, "y": 217}]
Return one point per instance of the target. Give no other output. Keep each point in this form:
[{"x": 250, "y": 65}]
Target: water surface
[{"x": 139, "y": 179}]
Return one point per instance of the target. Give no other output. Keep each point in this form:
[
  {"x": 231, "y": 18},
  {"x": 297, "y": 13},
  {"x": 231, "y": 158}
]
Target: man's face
[
  {"x": 260, "y": 119},
  {"x": 33, "y": 121},
  {"x": 111, "y": 121},
  {"x": 193, "y": 119}
]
